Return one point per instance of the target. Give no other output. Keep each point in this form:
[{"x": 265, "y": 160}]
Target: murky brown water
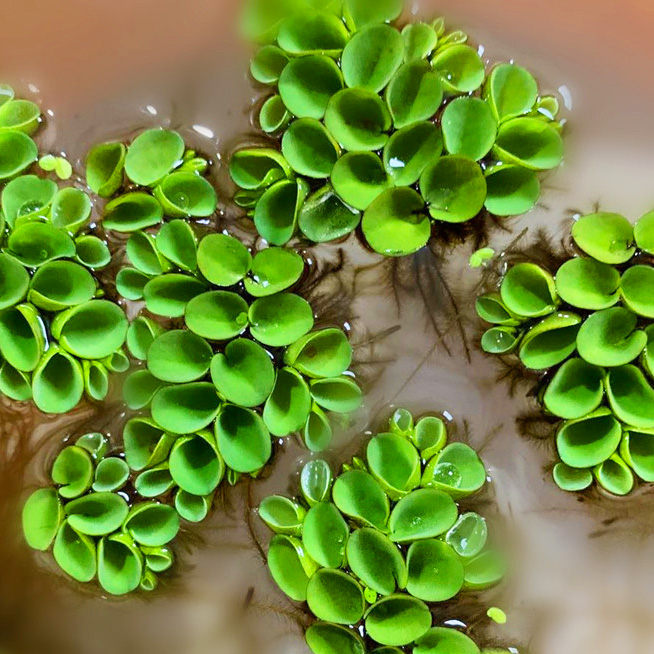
[{"x": 583, "y": 569}]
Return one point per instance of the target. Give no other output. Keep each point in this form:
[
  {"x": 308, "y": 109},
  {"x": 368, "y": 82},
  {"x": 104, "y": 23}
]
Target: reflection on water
[{"x": 582, "y": 564}]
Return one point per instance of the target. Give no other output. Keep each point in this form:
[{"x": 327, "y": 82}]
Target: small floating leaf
[
  {"x": 243, "y": 439},
  {"x": 131, "y": 212},
  {"x": 185, "y": 408},
  {"x": 395, "y": 463},
  {"x": 324, "y": 353},
  {"x": 120, "y": 564},
  {"x": 637, "y": 449},
  {"x": 460, "y": 68},
  {"x": 636, "y": 287},
  {"x": 104, "y": 168},
  {"x": 588, "y": 284},
  {"x": 92, "y": 252},
  {"x": 146, "y": 444},
  {"x": 630, "y": 396},
  {"x": 97, "y": 514},
  {"x": 152, "y": 155},
  {"x": 290, "y": 566},
  {"x": 268, "y": 64},
  {"x": 168, "y": 295},
  {"x": 395, "y": 224},
  {"x": 177, "y": 242},
  {"x": 469, "y": 127},
  {"x": 512, "y": 190},
  {"x": 376, "y": 561},
  {"x": 17, "y": 152},
  {"x": 75, "y": 553},
  {"x": 457, "y": 470},
  {"x": 575, "y": 391},
  {"x": 327, "y": 638},
  {"x": 223, "y": 259},
  {"x": 19, "y": 115},
  {"x": 358, "y": 119},
  {"x": 511, "y": 91},
  {"x": 615, "y": 476},
  {"x": 276, "y": 213},
  {"x": 325, "y": 535},
  {"x": 111, "y": 475},
  {"x": 217, "y": 315},
  {"x": 140, "y": 335},
  {"x": 26, "y": 196},
  {"x": 154, "y": 482},
  {"x": 485, "y": 570},
  {"x": 312, "y": 32},
  {"x": 58, "y": 384},
  {"x": 359, "y": 178},
  {"x": 550, "y": 341},
  {"x": 316, "y": 481},
  {"x": 528, "y": 290},
  {"x": 445, "y": 640},
  {"x": 607, "y": 237},
  {"x": 610, "y": 338},
  {"x": 361, "y": 13},
  {"x": 282, "y": 515},
  {"x": 273, "y": 270},
  {"x": 358, "y": 495},
  {"x": 281, "y": 319},
  {"x": 325, "y": 217},
  {"x": 14, "y": 281},
  {"x": 70, "y": 209},
  {"x": 35, "y": 244},
  {"x": 429, "y": 436},
  {"x": 258, "y": 168},
  {"x": 152, "y": 524},
  {"x": 61, "y": 284},
  {"x": 435, "y": 571},
  {"x": 420, "y": 40},
  {"x": 184, "y": 194},
  {"x": 335, "y": 597},
  {"x": 454, "y": 187},
  {"x": 468, "y": 536},
  {"x": 179, "y": 356},
  {"x": 397, "y": 620},
  {"x": 195, "y": 464},
  {"x": 273, "y": 115},
  {"x": 22, "y": 337},
  {"x": 572, "y": 479},
  {"x": 287, "y": 409},
  {"x": 193, "y": 508},
  {"x": 529, "y": 142},
  {"x": 338, "y": 394},
  {"x": 500, "y": 340},
  {"x": 42, "y": 515},
  {"x": 644, "y": 233},
  {"x": 243, "y": 373},
  {"x": 423, "y": 513},
  {"x": 589, "y": 441},
  {"x": 309, "y": 148}
]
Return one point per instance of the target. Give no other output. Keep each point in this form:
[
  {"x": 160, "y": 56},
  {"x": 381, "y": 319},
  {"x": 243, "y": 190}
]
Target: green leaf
[
  {"x": 22, "y": 337},
  {"x": 290, "y": 566},
  {"x": 485, "y": 570},
  {"x": 14, "y": 384},
  {"x": 410, "y": 150},
  {"x": 276, "y": 213},
  {"x": 26, "y": 196},
  {"x": 35, "y": 244},
  {"x": 420, "y": 40},
  {"x": 145, "y": 443},
  {"x": 17, "y": 152},
  {"x": 71, "y": 209},
  {"x": 615, "y": 476},
  {"x": 185, "y": 408},
  {"x": 335, "y": 596},
  {"x": 152, "y": 155},
  {"x": 423, "y": 513},
  {"x": 607, "y": 237},
  {"x": 359, "y": 178},
  {"x": 358, "y": 495},
  {"x": 152, "y": 524},
  {"x": 325, "y": 535},
  {"x": 550, "y": 341},
  {"x": 58, "y": 384},
  {"x": 316, "y": 481},
  {"x": 358, "y": 119},
  {"x": 397, "y": 620},
  {"x": 111, "y": 475},
  {"x": 131, "y": 212},
  {"x": 630, "y": 396},
  {"x": 243, "y": 439},
  {"x": 167, "y": 295},
  {"x": 429, "y": 436},
  {"x": 512, "y": 190},
  {"x": 611, "y": 338},
  {"x": 179, "y": 356},
  {"x": 460, "y": 68},
  {"x": 312, "y": 32},
  {"x": 528, "y": 290},
  {"x": 414, "y": 93},
  {"x": 14, "y": 281},
  {"x": 469, "y": 127},
  {"x": 273, "y": 115},
  {"x": 177, "y": 242},
  {"x": 454, "y": 187},
  {"x": 93, "y": 330},
  {"x": 500, "y": 340},
  {"x": 280, "y": 319},
  {"x": 571, "y": 479},
  {"x": 140, "y": 335},
  {"x": 337, "y": 394},
  {"x": 590, "y": 440},
  {"x": 637, "y": 450},
  {"x": 96, "y": 380},
  {"x": 154, "y": 482},
  {"x": 268, "y": 64},
  {"x": 510, "y": 91},
  {"x": 19, "y": 115},
  {"x": 468, "y": 536},
  {"x": 259, "y": 168},
  {"x": 376, "y": 561},
  {"x": 323, "y": 353},
  {"x": 288, "y": 407},
  {"x": 445, "y": 640},
  {"x": 636, "y": 289},
  {"x": 244, "y": 373},
  {"x": 529, "y": 142},
  {"x": 588, "y": 284},
  {"x": 184, "y": 194},
  {"x": 97, "y": 514},
  {"x": 644, "y": 233},
  {"x": 371, "y": 58},
  {"x": 318, "y": 433},
  {"x": 196, "y": 465},
  {"x": 75, "y": 553},
  {"x": 282, "y": 515},
  {"x": 120, "y": 564},
  {"x": 104, "y": 168},
  {"x": 223, "y": 259},
  {"x": 435, "y": 571},
  {"x": 359, "y": 14},
  {"x": 395, "y": 224},
  {"x": 273, "y": 270},
  {"x": 92, "y": 252},
  {"x": 395, "y": 463},
  {"x": 575, "y": 391},
  {"x": 309, "y": 148},
  {"x": 307, "y": 84},
  {"x": 456, "y": 470},
  {"x": 491, "y": 308},
  {"x": 325, "y": 217},
  {"x": 95, "y": 443},
  {"x": 61, "y": 284},
  {"x": 327, "y": 638},
  {"x": 42, "y": 515},
  {"x": 193, "y": 508}
]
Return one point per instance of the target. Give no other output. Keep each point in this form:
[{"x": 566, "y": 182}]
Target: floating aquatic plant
[
  {"x": 370, "y": 549},
  {"x": 96, "y": 526},
  {"x": 242, "y": 364},
  {"x": 587, "y": 327},
  {"x": 387, "y": 130},
  {"x": 59, "y": 339}
]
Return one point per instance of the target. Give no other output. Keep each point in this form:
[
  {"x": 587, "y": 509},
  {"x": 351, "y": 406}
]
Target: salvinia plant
[
  {"x": 98, "y": 523},
  {"x": 387, "y": 130},
  {"x": 587, "y": 329},
  {"x": 371, "y": 550},
  {"x": 59, "y": 339}
]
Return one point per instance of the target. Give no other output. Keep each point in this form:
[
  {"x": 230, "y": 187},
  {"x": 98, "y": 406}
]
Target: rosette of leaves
[
  {"x": 370, "y": 550},
  {"x": 153, "y": 177},
  {"x": 59, "y": 340},
  {"x": 587, "y": 329},
  {"x": 387, "y": 130},
  {"x": 238, "y": 360},
  {"x": 95, "y": 527}
]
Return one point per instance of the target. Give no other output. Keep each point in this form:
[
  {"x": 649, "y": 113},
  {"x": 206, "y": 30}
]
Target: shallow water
[{"x": 583, "y": 566}]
